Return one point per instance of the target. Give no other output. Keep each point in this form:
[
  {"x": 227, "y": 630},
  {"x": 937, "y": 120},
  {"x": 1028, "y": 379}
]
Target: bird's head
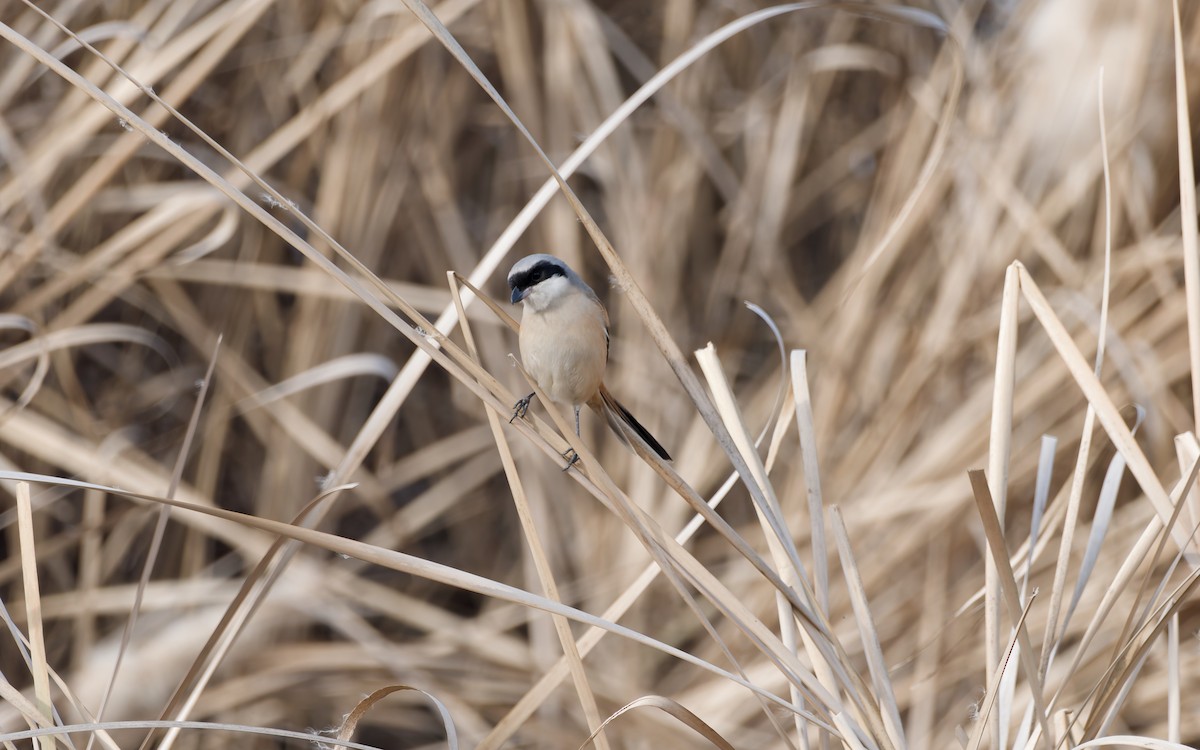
[{"x": 540, "y": 280}]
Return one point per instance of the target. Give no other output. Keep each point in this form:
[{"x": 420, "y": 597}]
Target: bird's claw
[
  {"x": 521, "y": 408},
  {"x": 571, "y": 456}
]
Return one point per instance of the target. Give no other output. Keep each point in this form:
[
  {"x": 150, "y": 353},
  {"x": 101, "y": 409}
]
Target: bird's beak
[{"x": 519, "y": 294}]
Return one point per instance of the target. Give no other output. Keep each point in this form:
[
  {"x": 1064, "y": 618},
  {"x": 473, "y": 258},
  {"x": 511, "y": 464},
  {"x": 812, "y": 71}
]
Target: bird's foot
[
  {"x": 521, "y": 408},
  {"x": 572, "y": 458}
]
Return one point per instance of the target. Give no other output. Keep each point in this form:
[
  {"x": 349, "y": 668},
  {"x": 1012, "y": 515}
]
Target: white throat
[{"x": 547, "y": 293}]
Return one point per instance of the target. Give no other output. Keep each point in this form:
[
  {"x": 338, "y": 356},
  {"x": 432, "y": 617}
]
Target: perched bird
[{"x": 564, "y": 342}]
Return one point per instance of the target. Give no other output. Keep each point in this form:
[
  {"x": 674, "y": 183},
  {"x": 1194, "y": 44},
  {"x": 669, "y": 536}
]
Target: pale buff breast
[{"x": 565, "y": 348}]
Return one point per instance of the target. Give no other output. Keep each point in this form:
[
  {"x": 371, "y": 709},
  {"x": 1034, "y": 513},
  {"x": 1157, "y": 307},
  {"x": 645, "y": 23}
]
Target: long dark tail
[{"x": 613, "y": 411}]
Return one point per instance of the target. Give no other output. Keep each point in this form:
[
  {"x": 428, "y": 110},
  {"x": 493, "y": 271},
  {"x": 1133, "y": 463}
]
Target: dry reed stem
[
  {"x": 1008, "y": 585},
  {"x": 673, "y": 709},
  {"x": 999, "y": 450},
  {"x": 994, "y": 687},
  {"x": 1187, "y": 210},
  {"x": 772, "y": 157},
  {"x": 33, "y": 608}
]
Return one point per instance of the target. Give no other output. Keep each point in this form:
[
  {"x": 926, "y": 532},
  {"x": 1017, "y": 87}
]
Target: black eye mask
[{"x": 526, "y": 280}]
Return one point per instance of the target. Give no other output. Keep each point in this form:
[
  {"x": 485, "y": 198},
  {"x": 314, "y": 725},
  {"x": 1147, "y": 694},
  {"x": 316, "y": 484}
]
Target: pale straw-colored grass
[{"x": 260, "y": 456}]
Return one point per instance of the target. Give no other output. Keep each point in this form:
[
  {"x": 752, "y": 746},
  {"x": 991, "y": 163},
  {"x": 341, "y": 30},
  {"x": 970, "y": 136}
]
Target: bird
[{"x": 564, "y": 343}]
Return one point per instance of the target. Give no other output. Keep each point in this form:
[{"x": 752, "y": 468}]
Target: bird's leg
[
  {"x": 571, "y": 456},
  {"x": 521, "y": 407}
]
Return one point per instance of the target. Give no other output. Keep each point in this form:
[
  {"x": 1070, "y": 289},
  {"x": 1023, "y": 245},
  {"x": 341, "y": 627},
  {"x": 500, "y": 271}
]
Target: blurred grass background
[{"x": 769, "y": 171}]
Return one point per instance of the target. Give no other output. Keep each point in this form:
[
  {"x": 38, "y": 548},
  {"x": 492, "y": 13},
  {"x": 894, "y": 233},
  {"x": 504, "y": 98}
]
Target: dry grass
[{"x": 931, "y": 217}]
